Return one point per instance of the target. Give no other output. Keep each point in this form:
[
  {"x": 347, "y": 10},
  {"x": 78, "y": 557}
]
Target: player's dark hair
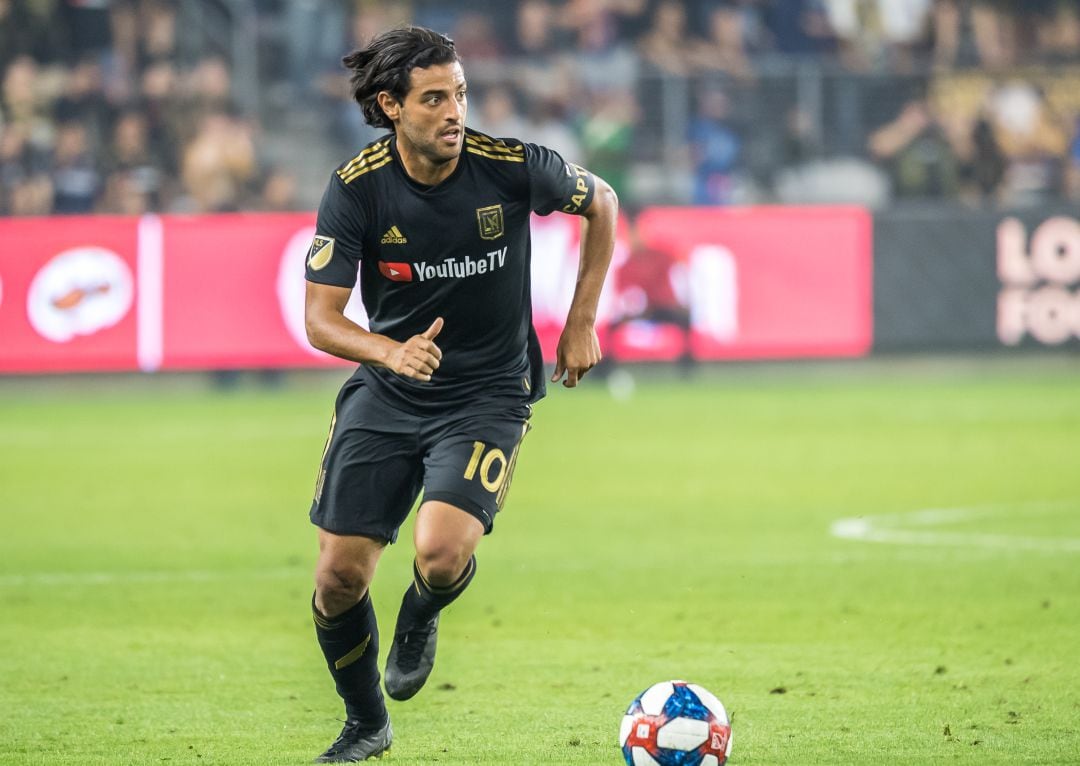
[{"x": 385, "y": 64}]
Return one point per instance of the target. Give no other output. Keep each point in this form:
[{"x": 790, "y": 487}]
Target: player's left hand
[{"x": 577, "y": 353}]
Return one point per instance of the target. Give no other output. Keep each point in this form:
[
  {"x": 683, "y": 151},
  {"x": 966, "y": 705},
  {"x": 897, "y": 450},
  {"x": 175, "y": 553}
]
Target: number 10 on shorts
[{"x": 485, "y": 465}]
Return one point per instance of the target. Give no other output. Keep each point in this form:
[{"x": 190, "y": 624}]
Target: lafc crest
[{"x": 490, "y": 219}]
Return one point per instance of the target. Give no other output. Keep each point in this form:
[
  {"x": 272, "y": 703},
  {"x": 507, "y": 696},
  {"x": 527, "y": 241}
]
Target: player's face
[{"x": 432, "y": 116}]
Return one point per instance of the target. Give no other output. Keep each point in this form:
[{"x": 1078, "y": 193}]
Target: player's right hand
[{"x": 418, "y": 357}]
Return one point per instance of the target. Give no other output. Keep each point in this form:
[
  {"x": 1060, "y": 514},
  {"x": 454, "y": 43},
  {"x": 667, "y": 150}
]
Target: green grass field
[{"x": 155, "y": 561}]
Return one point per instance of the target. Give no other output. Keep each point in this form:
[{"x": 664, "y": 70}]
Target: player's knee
[
  {"x": 339, "y": 585},
  {"x": 442, "y": 563}
]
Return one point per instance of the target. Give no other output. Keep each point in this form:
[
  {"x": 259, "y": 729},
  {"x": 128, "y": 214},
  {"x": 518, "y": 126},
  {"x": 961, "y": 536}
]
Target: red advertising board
[
  {"x": 68, "y": 291},
  {"x": 227, "y": 291},
  {"x": 770, "y": 281}
]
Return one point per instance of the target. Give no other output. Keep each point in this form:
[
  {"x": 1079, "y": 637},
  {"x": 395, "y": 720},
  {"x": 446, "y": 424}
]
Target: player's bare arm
[
  {"x": 579, "y": 348},
  {"x": 329, "y": 330}
]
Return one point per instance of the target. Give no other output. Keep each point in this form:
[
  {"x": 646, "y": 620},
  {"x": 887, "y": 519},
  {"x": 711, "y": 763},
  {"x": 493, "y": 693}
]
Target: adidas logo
[{"x": 393, "y": 236}]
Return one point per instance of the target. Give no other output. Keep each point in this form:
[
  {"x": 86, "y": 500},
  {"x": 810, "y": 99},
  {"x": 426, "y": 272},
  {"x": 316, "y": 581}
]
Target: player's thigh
[
  {"x": 372, "y": 469},
  {"x": 470, "y": 462}
]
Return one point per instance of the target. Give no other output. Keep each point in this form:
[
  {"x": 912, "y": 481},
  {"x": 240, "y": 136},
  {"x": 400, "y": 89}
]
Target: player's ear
[{"x": 390, "y": 105}]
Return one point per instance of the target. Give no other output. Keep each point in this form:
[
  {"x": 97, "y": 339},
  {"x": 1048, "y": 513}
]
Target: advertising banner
[
  {"x": 227, "y": 291},
  {"x": 769, "y": 282},
  {"x": 948, "y": 279},
  {"x": 68, "y": 295}
]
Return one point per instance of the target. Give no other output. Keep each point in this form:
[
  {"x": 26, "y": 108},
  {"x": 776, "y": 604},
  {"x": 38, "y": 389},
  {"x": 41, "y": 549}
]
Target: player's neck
[{"x": 421, "y": 168}]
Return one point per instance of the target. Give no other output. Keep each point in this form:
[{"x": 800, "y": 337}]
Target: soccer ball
[{"x": 675, "y": 724}]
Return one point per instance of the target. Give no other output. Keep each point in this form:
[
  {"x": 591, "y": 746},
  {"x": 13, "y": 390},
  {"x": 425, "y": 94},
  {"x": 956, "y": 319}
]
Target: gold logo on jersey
[
  {"x": 322, "y": 250},
  {"x": 491, "y": 221},
  {"x": 393, "y": 236}
]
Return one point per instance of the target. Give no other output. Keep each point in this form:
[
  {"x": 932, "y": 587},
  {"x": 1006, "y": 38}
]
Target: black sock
[
  {"x": 350, "y": 643},
  {"x": 422, "y": 601}
]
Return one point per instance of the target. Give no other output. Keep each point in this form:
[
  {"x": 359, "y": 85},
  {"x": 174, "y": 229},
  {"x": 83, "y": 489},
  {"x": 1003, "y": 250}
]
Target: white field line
[
  {"x": 909, "y": 529},
  {"x": 125, "y": 578}
]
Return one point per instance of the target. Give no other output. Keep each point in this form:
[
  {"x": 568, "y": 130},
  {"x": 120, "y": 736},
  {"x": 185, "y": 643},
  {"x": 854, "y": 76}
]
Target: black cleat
[
  {"x": 412, "y": 656},
  {"x": 354, "y": 744}
]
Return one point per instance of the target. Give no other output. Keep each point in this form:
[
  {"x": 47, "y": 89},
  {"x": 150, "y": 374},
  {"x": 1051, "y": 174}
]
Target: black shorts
[{"x": 378, "y": 457}]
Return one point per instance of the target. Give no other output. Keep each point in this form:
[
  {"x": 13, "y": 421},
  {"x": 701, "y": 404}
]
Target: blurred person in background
[
  {"x": 984, "y": 167},
  {"x": 278, "y": 193},
  {"x": 715, "y": 147},
  {"x": 918, "y": 151},
  {"x": 217, "y": 165},
  {"x": 84, "y": 101},
  {"x": 547, "y": 124},
  {"x": 433, "y": 221},
  {"x": 76, "y": 179},
  {"x": 499, "y": 114},
  {"x": 665, "y": 46},
  {"x": 1072, "y": 170},
  {"x": 607, "y": 135},
  {"x": 1033, "y": 140},
  {"x": 26, "y": 29},
  {"x": 970, "y": 32},
  {"x": 723, "y": 47},
  {"x": 134, "y": 177},
  {"x": 799, "y": 28},
  {"x": 602, "y": 61},
  {"x": 645, "y": 288},
  {"x": 25, "y": 186}
]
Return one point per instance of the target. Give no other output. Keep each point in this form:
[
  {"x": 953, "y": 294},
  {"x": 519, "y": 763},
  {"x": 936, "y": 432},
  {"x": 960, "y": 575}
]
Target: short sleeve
[
  {"x": 335, "y": 252},
  {"x": 555, "y": 184}
]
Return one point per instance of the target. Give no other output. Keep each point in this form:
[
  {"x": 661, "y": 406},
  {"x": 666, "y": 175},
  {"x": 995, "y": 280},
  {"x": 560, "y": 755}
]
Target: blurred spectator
[
  {"x": 535, "y": 29},
  {"x": 89, "y": 28},
  {"x": 1058, "y": 31},
  {"x": 84, "y": 101},
  {"x": 25, "y": 187},
  {"x": 134, "y": 178},
  {"x": 475, "y": 39},
  {"x": 76, "y": 179},
  {"x": 974, "y": 32},
  {"x": 217, "y": 164},
  {"x": 645, "y": 288},
  {"x": 27, "y": 30},
  {"x": 607, "y": 136},
  {"x": 160, "y": 103},
  {"x": 715, "y": 148},
  {"x": 315, "y": 39},
  {"x": 26, "y": 99},
  {"x": 800, "y": 27},
  {"x": 918, "y": 152},
  {"x": 603, "y": 61},
  {"x": 664, "y": 46},
  {"x": 278, "y": 192},
  {"x": 724, "y": 47},
  {"x": 800, "y": 142},
  {"x": 1033, "y": 141},
  {"x": 1072, "y": 170},
  {"x": 546, "y": 125},
  {"x": 985, "y": 168},
  {"x": 497, "y": 114}
]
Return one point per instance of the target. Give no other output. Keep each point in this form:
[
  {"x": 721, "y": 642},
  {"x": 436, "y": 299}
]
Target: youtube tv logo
[{"x": 397, "y": 272}]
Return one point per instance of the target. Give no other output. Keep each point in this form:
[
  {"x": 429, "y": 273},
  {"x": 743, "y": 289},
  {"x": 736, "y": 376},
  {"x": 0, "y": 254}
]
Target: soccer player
[{"x": 433, "y": 220}]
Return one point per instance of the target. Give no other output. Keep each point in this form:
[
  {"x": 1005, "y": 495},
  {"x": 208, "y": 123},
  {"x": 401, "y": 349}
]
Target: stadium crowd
[{"x": 108, "y": 106}]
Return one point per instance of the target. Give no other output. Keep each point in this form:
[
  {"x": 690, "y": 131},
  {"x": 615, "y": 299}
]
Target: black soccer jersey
[{"x": 459, "y": 250}]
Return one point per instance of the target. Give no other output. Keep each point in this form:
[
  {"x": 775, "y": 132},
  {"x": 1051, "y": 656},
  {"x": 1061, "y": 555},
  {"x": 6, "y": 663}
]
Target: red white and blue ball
[{"x": 675, "y": 724}]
